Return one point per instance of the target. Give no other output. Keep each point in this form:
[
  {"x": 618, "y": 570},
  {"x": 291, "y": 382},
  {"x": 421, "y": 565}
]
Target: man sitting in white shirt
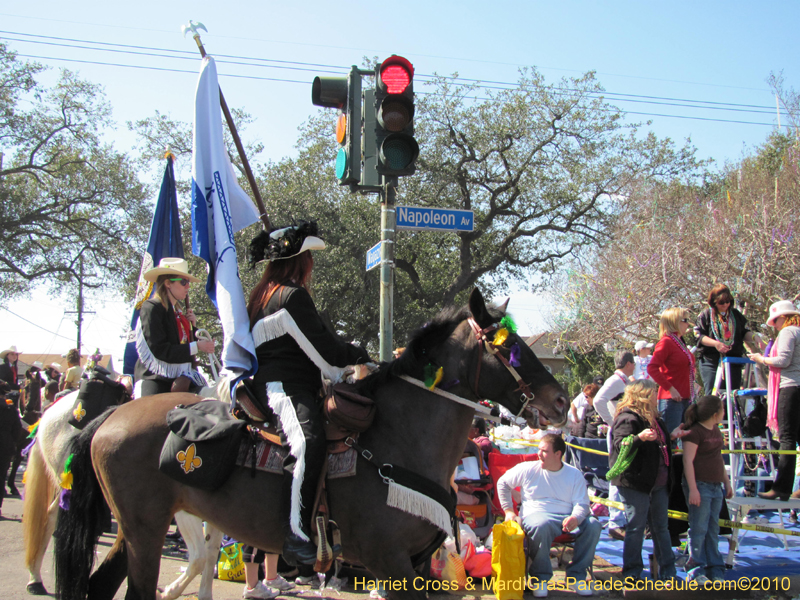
[{"x": 555, "y": 500}]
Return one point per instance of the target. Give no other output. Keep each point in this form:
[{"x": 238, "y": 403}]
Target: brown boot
[{"x": 773, "y": 495}]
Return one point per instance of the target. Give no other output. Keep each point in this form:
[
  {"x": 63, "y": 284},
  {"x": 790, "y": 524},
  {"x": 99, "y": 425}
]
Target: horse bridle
[{"x": 485, "y": 344}]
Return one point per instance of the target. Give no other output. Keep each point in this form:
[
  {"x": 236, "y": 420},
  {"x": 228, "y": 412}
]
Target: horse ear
[
  {"x": 477, "y": 307},
  {"x": 504, "y": 306}
]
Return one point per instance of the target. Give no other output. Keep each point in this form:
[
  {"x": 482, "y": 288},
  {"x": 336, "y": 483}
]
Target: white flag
[{"x": 220, "y": 207}]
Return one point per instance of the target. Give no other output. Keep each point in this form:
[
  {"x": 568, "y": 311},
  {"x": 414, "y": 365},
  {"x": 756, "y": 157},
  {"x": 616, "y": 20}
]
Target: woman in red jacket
[{"x": 672, "y": 367}]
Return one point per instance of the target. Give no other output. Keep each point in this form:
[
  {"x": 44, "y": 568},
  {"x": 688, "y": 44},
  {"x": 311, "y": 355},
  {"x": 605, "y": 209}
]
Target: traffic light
[
  {"x": 396, "y": 149},
  {"x": 343, "y": 93}
]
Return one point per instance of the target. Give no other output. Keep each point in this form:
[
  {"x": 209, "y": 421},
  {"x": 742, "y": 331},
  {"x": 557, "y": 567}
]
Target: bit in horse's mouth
[{"x": 532, "y": 413}]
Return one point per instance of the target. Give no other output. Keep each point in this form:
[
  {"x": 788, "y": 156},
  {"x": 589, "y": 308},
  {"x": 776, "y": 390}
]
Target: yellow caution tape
[{"x": 681, "y": 516}]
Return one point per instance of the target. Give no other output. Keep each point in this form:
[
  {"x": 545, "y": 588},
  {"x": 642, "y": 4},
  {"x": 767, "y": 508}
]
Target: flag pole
[{"x": 193, "y": 27}]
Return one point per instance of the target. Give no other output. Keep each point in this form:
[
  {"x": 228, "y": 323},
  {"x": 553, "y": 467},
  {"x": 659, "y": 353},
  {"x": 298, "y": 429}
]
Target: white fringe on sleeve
[
  {"x": 281, "y": 323},
  {"x": 154, "y": 365}
]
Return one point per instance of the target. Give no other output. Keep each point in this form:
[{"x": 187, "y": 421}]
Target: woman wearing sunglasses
[
  {"x": 672, "y": 367},
  {"x": 165, "y": 334},
  {"x": 721, "y": 331}
]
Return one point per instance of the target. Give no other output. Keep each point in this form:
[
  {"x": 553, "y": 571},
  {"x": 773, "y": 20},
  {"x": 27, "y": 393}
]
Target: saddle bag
[
  {"x": 202, "y": 445},
  {"x": 95, "y": 396},
  {"x": 347, "y": 409}
]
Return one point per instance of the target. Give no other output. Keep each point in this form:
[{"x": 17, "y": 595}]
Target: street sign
[
  {"x": 437, "y": 219},
  {"x": 374, "y": 256}
]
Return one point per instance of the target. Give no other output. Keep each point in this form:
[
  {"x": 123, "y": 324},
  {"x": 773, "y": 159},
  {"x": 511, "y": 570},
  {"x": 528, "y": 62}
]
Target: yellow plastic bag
[
  {"x": 230, "y": 566},
  {"x": 508, "y": 561}
]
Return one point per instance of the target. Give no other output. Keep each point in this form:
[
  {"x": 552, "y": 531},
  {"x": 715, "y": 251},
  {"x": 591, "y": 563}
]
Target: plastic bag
[
  {"x": 448, "y": 566},
  {"x": 230, "y": 566},
  {"x": 479, "y": 564},
  {"x": 508, "y": 560}
]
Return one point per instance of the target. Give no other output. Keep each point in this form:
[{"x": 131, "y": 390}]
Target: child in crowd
[
  {"x": 273, "y": 583},
  {"x": 705, "y": 485}
]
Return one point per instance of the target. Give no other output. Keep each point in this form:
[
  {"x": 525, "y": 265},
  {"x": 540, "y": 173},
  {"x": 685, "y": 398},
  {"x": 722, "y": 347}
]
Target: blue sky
[{"x": 661, "y": 54}]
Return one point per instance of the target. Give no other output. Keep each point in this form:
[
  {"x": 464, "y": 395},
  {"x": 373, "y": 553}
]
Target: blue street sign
[
  {"x": 438, "y": 219},
  {"x": 374, "y": 256}
]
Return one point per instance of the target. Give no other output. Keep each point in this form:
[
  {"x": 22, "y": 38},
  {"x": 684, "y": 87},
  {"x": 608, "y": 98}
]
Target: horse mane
[{"x": 414, "y": 358}]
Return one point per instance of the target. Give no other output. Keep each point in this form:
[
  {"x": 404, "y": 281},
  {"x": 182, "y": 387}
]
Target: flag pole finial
[{"x": 194, "y": 27}]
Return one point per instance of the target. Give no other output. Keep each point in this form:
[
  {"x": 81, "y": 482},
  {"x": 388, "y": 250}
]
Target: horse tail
[
  {"x": 79, "y": 527},
  {"x": 40, "y": 492}
]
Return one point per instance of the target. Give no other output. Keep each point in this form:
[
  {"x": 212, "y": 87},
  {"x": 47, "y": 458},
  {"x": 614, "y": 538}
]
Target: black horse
[{"x": 414, "y": 428}]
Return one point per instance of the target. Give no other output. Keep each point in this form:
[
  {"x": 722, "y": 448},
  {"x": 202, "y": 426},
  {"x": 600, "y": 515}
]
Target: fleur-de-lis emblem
[
  {"x": 189, "y": 459},
  {"x": 79, "y": 413}
]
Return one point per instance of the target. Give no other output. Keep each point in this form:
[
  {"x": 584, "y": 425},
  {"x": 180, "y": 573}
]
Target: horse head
[
  {"x": 507, "y": 371},
  {"x": 477, "y": 364}
]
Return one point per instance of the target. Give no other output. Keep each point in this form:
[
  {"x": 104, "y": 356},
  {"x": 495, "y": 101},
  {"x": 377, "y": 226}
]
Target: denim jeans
[
  {"x": 672, "y": 412},
  {"x": 641, "y": 508},
  {"x": 543, "y": 527},
  {"x": 705, "y": 558},
  {"x": 616, "y": 516}
]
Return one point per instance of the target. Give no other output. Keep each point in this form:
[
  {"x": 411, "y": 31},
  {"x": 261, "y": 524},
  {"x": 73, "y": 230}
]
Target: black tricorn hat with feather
[{"x": 284, "y": 242}]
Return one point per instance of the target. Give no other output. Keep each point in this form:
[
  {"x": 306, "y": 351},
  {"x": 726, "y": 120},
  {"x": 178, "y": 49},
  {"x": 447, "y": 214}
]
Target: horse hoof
[{"x": 37, "y": 588}]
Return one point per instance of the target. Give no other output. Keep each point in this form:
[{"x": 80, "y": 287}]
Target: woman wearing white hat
[
  {"x": 784, "y": 392},
  {"x": 288, "y": 331},
  {"x": 8, "y": 369},
  {"x": 164, "y": 334}
]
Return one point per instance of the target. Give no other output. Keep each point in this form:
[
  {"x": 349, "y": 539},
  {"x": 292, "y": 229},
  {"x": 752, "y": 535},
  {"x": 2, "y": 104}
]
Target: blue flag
[
  {"x": 165, "y": 242},
  {"x": 220, "y": 207}
]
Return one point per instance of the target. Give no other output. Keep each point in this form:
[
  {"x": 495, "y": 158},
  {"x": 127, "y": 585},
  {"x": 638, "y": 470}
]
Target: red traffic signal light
[{"x": 397, "y": 149}]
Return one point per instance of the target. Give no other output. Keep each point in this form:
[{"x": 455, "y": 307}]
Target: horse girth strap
[{"x": 408, "y": 478}]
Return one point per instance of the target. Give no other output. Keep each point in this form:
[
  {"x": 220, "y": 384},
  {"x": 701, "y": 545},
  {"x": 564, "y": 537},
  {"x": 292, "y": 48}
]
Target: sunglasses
[
  {"x": 183, "y": 282},
  {"x": 722, "y": 302},
  {"x": 684, "y": 320}
]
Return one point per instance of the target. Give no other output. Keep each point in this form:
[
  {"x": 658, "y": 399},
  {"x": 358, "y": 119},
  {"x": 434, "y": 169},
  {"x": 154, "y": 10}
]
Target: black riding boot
[{"x": 295, "y": 549}]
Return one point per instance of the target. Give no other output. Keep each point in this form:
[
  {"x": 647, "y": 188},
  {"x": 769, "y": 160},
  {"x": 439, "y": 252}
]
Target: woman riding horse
[
  {"x": 164, "y": 333},
  {"x": 287, "y": 380}
]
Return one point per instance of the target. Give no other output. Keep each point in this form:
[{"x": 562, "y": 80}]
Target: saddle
[{"x": 207, "y": 440}]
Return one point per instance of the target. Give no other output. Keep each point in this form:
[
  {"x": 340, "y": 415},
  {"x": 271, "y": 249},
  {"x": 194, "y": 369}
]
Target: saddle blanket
[{"x": 269, "y": 458}]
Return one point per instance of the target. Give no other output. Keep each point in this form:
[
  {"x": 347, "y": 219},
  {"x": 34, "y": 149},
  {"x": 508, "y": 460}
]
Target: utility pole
[{"x": 80, "y": 312}]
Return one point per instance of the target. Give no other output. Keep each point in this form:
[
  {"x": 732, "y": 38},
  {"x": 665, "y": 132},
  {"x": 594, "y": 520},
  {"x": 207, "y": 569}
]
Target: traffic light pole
[{"x": 388, "y": 229}]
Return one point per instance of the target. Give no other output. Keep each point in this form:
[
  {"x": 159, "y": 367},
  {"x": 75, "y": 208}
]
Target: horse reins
[{"x": 485, "y": 344}]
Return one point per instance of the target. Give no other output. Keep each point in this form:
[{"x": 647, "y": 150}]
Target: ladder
[{"x": 739, "y": 506}]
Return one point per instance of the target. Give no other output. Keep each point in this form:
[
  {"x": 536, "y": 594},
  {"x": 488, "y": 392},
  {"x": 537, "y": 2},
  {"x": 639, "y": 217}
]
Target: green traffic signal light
[{"x": 343, "y": 93}]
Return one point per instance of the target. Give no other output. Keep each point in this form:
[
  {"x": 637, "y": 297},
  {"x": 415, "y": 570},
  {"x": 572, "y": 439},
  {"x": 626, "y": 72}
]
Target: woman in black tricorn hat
[{"x": 287, "y": 329}]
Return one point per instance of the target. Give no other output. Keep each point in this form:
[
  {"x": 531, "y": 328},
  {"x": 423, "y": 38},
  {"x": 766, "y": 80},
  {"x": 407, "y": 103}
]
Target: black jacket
[
  {"x": 281, "y": 359},
  {"x": 160, "y": 329},
  {"x": 642, "y": 473},
  {"x": 7, "y": 375},
  {"x": 703, "y": 327}
]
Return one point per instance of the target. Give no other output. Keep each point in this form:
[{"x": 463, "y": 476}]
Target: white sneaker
[
  {"x": 701, "y": 580},
  {"x": 755, "y": 519},
  {"x": 311, "y": 580},
  {"x": 541, "y": 591},
  {"x": 279, "y": 583},
  {"x": 582, "y": 588},
  {"x": 260, "y": 592},
  {"x": 375, "y": 594}
]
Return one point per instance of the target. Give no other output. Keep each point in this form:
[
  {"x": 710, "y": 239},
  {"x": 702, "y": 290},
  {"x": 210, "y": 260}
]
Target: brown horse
[{"x": 413, "y": 428}]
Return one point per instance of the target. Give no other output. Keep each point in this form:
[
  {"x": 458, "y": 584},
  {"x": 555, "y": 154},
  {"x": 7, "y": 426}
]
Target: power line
[
  {"x": 303, "y": 66},
  {"x": 457, "y": 58},
  {"x": 35, "y": 324},
  {"x": 305, "y": 82}
]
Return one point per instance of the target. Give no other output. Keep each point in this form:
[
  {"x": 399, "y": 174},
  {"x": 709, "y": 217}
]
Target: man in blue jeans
[{"x": 555, "y": 500}]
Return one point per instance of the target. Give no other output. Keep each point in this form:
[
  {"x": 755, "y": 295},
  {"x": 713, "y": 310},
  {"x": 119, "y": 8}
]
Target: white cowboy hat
[
  {"x": 781, "y": 309},
  {"x": 38, "y": 365},
  {"x": 642, "y": 344},
  {"x": 55, "y": 366},
  {"x": 7, "y": 350},
  {"x": 170, "y": 266}
]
